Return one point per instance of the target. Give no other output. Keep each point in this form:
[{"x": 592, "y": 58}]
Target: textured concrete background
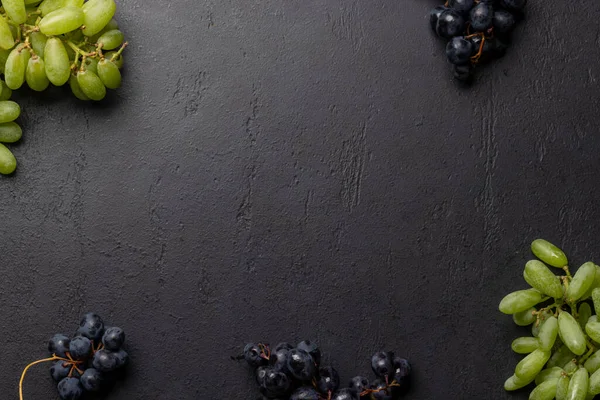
[{"x": 279, "y": 170}]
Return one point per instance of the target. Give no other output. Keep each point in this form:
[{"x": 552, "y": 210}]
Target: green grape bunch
[
  {"x": 55, "y": 42},
  {"x": 563, "y": 352}
]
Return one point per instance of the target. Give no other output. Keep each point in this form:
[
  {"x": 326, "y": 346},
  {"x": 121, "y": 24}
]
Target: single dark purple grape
[
  {"x": 70, "y": 389},
  {"x": 311, "y": 348},
  {"x": 450, "y": 23},
  {"x": 107, "y": 361},
  {"x": 279, "y": 359},
  {"x": 462, "y": 6},
  {"x": 328, "y": 380},
  {"x": 402, "y": 373},
  {"x": 301, "y": 365},
  {"x": 59, "y": 370},
  {"x": 91, "y": 327},
  {"x": 92, "y": 380},
  {"x": 504, "y": 21},
  {"x": 345, "y": 394},
  {"x": 459, "y": 51},
  {"x": 481, "y": 17},
  {"x": 381, "y": 363},
  {"x": 113, "y": 338},
  {"x": 305, "y": 393},
  {"x": 80, "y": 348},
  {"x": 359, "y": 384},
  {"x": 275, "y": 383},
  {"x": 59, "y": 345},
  {"x": 253, "y": 354},
  {"x": 434, "y": 15}
]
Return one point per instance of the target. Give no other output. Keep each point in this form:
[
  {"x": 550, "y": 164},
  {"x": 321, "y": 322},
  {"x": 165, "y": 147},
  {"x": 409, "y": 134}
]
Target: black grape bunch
[
  {"x": 477, "y": 31},
  {"x": 90, "y": 361},
  {"x": 295, "y": 373},
  {"x": 46, "y": 43}
]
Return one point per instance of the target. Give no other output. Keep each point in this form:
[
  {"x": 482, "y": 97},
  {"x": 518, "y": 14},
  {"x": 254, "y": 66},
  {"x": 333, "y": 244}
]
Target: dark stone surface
[{"x": 279, "y": 170}]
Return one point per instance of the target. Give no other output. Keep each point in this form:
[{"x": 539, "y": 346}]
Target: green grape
[
  {"x": 560, "y": 357},
  {"x": 525, "y": 318},
  {"x": 592, "y": 328},
  {"x": 9, "y": 111},
  {"x": 112, "y": 24},
  {"x": 111, "y": 39},
  {"x": 14, "y": 70},
  {"x": 48, "y": 6},
  {"x": 58, "y": 66},
  {"x": 10, "y": 132},
  {"x": 532, "y": 364},
  {"x": 581, "y": 282},
  {"x": 91, "y": 85},
  {"x": 109, "y": 74},
  {"x": 116, "y": 59},
  {"x": 15, "y": 9},
  {"x": 571, "y": 366},
  {"x": 525, "y": 345},
  {"x": 596, "y": 300},
  {"x": 592, "y": 364},
  {"x": 594, "y": 285},
  {"x": 6, "y": 92},
  {"x": 549, "y": 253},
  {"x": 98, "y": 14},
  {"x": 544, "y": 391},
  {"x": 595, "y": 383},
  {"x": 535, "y": 329},
  {"x": 8, "y": 163},
  {"x": 61, "y": 21},
  {"x": 7, "y": 41},
  {"x": 515, "y": 383},
  {"x": 35, "y": 75},
  {"x": 548, "y": 374},
  {"x": 562, "y": 387},
  {"x": 547, "y": 334},
  {"x": 32, "y": 15},
  {"x": 3, "y": 57},
  {"x": 76, "y": 89},
  {"x": 583, "y": 314},
  {"x": 520, "y": 300},
  {"x": 38, "y": 42},
  {"x": 91, "y": 64},
  {"x": 76, "y": 36},
  {"x": 571, "y": 333},
  {"x": 578, "y": 387},
  {"x": 541, "y": 278}
]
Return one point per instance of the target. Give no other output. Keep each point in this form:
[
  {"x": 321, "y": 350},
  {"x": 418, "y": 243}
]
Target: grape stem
[
  {"x": 78, "y": 51},
  {"x": 566, "y": 269},
  {"x": 67, "y": 361}
]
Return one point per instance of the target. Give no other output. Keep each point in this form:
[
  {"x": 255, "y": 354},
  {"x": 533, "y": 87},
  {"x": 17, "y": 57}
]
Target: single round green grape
[
  {"x": 548, "y": 374},
  {"x": 520, "y": 300},
  {"x": 525, "y": 345},
  {"x": 583, "y": 314},
  {"x": 109, "y": 74},
  {"x": 525, "y": 318},
  {"x": 592, "y": 364},
  {"x": 571, "y": 333},
  {"x": 592, "y": 328},
  {"x": 560, "y": 357},
  {"x": 539, "y": 276},
  {"x": 9, "y": 111},
  {"x": 38, "y": 42},
  {"x": 58, "y": 67},
  {"x": 562, "y": 387},
  {"x": 581, "y": 282},
  {"x": 514, "y": 383},
  {"x": 10, "y": 132},
  {"x": 6, "y": 92},
  {"x": 98, "y": 14},
  {"x": 8, "y": 162},
  {"x": 14, "y": 70},
  {"x": 61, "y": 21},
  {"x": 547, "y": 333},
  {"x": 111, "y": 40},
  {"x": 35, "y": 75},
  {"x": 91, "y": 85},
  {"x": 578, "y": 387},
  {"x": 15, "y": 9},
  {"x": 531, "y": 365},
  {"x": 594, "y": 285},
  {"x": 549, "y": 253},
  {"x": 76, "y": 89},
  {"x": 7, "y": 41},
  {"x": 112, "y": 57},
  {"x": 545, "y": 390}
]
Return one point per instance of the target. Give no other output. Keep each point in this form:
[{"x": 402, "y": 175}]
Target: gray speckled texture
[{"x": 279, "y": 170}]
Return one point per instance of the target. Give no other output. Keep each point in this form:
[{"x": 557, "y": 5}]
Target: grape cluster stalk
[
  {"x": 563, "y": 352},
  {"x": 55, "y": 42}
]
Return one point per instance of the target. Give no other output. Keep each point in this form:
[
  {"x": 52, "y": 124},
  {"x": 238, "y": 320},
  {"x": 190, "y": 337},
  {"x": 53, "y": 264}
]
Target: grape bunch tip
[
  {"x": 286, "y": 372},
  {"x": 55, "y": 42},
  {"x": 87, "y": 362},
  {"x": 477, "y": 31},
  {"x": 562, "y": 355}
]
